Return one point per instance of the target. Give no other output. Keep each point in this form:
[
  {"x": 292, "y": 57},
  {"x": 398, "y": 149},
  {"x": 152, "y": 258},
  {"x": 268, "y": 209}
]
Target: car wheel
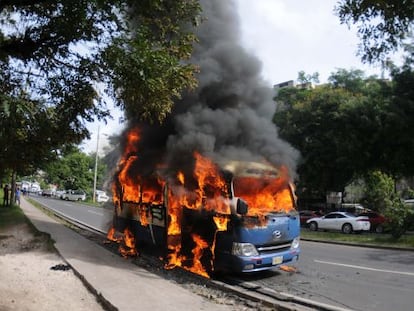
[
  {"x": 347, "y": 228},
  {"x": 313, "y": 226},
  {"x": 379, "y": 229}
]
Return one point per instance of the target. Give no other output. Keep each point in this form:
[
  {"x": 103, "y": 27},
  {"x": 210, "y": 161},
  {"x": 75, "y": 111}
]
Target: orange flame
[
  {"x": 130, "y": 189},
  {"x": 128, "y": 249},
  {"x": 221, "y": 222},
  {"x": 180, "y": 177},
  {"x": 198, "y": 251},
  {"x": 266, "y": 194},
  {"x": 211, "y": 185},
  {"x": 111, "y": 236},
  {"x": 126, "y": 241},
  {"x": 288, "y": 268},
  {"x": 174, "y": 258}
]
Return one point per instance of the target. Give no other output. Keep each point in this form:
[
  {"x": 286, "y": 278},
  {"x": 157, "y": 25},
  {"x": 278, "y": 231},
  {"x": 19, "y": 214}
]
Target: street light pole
[{"x": 96, "y": 169}]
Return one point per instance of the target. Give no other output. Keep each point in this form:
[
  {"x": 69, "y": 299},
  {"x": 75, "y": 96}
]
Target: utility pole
[{"x": 96, "y": 168}]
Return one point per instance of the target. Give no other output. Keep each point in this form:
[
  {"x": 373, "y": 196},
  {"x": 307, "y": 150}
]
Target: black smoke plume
[{"x": 229, "y": 115}]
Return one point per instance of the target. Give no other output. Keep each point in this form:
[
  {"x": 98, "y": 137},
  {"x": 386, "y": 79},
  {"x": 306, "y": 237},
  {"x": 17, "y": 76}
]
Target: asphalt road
[
  {"x": 99, "y": 218},
  {"x": 357, "y": 278}
]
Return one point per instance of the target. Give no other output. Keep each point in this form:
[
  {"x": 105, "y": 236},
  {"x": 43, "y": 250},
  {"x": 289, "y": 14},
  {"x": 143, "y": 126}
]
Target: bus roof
[{"x": 250, "y": 169}]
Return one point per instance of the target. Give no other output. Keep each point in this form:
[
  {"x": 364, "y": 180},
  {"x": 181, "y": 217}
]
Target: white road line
[
  {"x": 93, "y": 212},
  {"x": 364, "y": 268}
]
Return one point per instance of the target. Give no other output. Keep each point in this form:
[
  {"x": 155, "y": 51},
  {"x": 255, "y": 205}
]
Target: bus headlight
[
  {"x": 244, "y": 249},
  {"x": 295, "y": 243}
]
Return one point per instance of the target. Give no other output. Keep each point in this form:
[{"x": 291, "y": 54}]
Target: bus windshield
[{"x": 265, "y": 194}]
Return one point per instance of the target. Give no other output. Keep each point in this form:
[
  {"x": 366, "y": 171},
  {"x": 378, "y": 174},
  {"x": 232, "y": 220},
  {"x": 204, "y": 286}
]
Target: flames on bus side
[{"x": 200, "y": 190}]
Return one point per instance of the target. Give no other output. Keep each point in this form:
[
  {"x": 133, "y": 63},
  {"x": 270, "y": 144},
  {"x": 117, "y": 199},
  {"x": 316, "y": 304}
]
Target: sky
[{"x": 287, "y": 36}]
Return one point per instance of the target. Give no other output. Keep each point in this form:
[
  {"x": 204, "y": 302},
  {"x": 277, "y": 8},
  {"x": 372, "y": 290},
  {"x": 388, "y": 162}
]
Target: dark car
[
  {"x": 377, "y": 221},
  {"x": 305, "y": 215}
]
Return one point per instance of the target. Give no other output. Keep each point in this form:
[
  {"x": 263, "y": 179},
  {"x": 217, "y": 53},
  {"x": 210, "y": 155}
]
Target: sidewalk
[{"x": 121, "y": 284}]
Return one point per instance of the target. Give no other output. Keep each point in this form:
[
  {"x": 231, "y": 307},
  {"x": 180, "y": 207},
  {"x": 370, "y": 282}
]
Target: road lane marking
[
  {"x": 93, "y": 212},
  {"x": 364, "y": 268}
]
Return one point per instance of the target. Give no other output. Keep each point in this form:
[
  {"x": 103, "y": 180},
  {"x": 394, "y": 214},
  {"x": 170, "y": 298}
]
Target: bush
[
  {"x": 381, "y": 195},
  {"x": 398, "y": 215},
  {"x": 378, "y": 188}
]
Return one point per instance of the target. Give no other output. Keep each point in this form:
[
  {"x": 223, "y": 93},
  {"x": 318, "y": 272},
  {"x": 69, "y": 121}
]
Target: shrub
[{"x": 380, "y": 194}]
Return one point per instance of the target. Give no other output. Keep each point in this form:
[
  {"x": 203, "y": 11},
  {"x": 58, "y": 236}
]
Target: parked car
[
  {"x": 47, "y": 192},
  {"x": 74, "y": 195},
  {"x": 409, "y": 202},
  {"x": 101, "y": 196},
  {"x": 59, "y": 193},
  {"x": 306, "y": 215},
  {"x": 340, "y": 221},
  {"x": 377, "y": 221}
]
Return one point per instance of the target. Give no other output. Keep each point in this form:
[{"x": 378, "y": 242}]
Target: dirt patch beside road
[{"x": 34, "y": 277}]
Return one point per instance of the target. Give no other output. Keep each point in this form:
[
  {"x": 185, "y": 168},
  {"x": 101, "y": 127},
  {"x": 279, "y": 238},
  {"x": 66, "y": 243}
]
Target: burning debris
[
  {"x": 288, "y": 268},
  {"x": 178, "y": 184}
]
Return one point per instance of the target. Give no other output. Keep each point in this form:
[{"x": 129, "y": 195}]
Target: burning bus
[
  {"x": 210, "y": 187},
  {"x": 234, "y": 216}
]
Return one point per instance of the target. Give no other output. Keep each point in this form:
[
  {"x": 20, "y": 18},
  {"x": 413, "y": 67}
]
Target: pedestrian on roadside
[
  {"x": 6, "y": 200},
  {"x": 17, "y": 196}
]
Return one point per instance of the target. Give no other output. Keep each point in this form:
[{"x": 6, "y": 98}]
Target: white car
[
  {"x": 74, "y": 195},
  {"x": 101, "y": 196},
  {"x": 409, "y": 202},
  {"x": 340, "y": 221}
]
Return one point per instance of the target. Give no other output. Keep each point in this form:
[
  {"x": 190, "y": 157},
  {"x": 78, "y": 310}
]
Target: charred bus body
[{"x": 241, "y": 219}]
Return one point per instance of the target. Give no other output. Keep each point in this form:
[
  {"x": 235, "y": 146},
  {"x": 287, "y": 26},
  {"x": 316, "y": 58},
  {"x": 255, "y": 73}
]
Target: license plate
[{"x": 277, "y": 260}]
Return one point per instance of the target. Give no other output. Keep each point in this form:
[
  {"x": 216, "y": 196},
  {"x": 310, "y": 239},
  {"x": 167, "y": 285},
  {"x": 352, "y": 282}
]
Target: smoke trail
[{"x": 230, "y": 115}]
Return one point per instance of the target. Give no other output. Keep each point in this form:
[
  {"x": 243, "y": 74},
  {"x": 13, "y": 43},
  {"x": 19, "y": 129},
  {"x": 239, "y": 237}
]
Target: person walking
[
  {"x": 17, "y": 195},
  {"x": 6, "y": 193}
]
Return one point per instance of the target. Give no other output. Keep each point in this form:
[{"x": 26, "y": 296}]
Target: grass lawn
[
  {"x": 375, "y": 239},
  {"x": 10, "y": 216}
]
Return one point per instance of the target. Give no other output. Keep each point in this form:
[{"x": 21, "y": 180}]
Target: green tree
[
  {"x": 336, "y": 127},
  {"x": 382, "y": 25},
  {"x": 381, "y": 195},
  {"x": 304, "y": 78},
  {"x": 352, "y": 80},
  {"x": 75, "y": 170},
  {"x": 349, "y": 127},
  {"x": 398, "y": 128},
  {"x": 378, "y": 188},
  {"x": 56, "y": 56}
]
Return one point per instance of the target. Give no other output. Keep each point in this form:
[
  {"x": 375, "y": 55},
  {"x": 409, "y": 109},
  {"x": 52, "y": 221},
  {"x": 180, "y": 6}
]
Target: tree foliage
[
  {"x": 398, "y": 122},
  {"x": 147, "y": 72},
  {"x": 56, "y": 57},
  {"x": 381, "y": 196},
  {"x": 378, "y": 188},
  {"x": 349, "y": 127},
  {"x": 75, "y": 170},
  {"x": 382, "y": 25}
]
